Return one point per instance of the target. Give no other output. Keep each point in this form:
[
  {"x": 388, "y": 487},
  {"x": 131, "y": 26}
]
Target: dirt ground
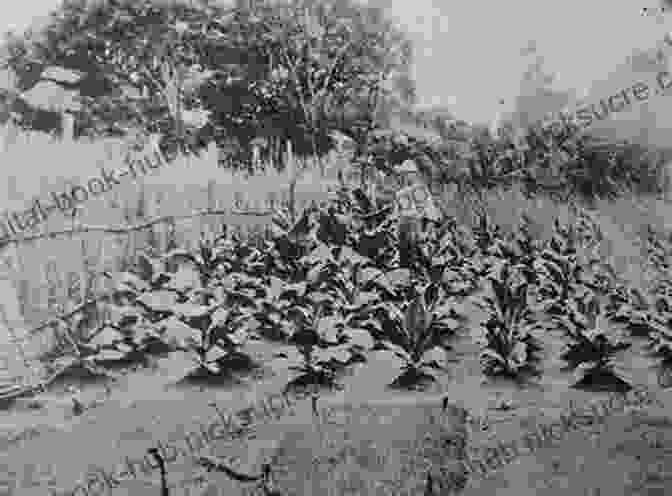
[{"x": 146, "y": 406}]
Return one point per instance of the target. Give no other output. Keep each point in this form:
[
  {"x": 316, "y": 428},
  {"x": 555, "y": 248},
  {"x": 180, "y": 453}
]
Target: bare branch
[
  {"x": 129, "y": 229},
  {"x": 60, "y": 318}
]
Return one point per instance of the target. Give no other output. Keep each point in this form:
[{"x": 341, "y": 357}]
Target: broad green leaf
[
  {"x": 109, "y": 354},
  {"x": 394, "y": 312},
  {"x": 416, "y": 318},
  {"x": 119, "y": 312},
  {"x": 131, "y": 281},
  {"x": 314, "y": 273},
  {"x": 161, "y": 301},
  {"x": 339, "y": 353},
  {"x": 359, "y": 337},
  {"x": 305, "y": 337},
  {"x": 319, "y": 297},
  {"x": 191, "y": 310},
  {"x": 181, "y": 257},
  {"x": 211, "y": 367},
  {"x": 492, "y": 355},
  {"x": 220, "y": 317},
  {"x": 147, "y": 267},
  {"x": 320, "y": 254},
  {"x": 352, "y": 256},
  {"x": 435, "y": 353},
  {"x": 297, "y": 312},
  {"x": 124, "y": 348},
  {"x": 399, "y": 277},
  {"x": 403, "y": 356},
  {"x": 184, "y": 279},
  {"x": 129, "y": 320},
  {"x": 519, "y": 353},
  {"x": 215, "y": 353},
  {"x": 275, "y": 288},
  {"x": 433, "y": 364},
  {"x": 329, "y": 328},
  {"x": 239, "y": 337},
  {"x": 299, "y": 288},
  {"x": 293, "y": 358},
  {"x": 178, "y": 333},
  {"x": 107, "y": 337},
  {"x": 229, "y": 282},
  {"x": 365, "y": 298}
]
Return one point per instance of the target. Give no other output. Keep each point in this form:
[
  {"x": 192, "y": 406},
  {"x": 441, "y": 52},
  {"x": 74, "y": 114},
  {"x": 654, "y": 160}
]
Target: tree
[
  {"x": 139, "y": 61},
  {"x": 332, "y": 64},
  {"x": 290, "y": 70}
]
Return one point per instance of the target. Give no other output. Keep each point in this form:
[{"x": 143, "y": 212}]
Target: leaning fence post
[{"x": 292, "y": 173}]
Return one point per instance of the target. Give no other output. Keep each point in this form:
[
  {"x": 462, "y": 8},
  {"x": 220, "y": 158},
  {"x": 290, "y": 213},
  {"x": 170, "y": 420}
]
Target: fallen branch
[
  {"x": 211, "y": 463},
  {"x": 72, "y": 313},
  {"x": 129, "y": 229},
  {"x": 17, "y": 391}
]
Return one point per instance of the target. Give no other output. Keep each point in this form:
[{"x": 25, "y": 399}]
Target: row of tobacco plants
[{"x": 351, "y": 277}]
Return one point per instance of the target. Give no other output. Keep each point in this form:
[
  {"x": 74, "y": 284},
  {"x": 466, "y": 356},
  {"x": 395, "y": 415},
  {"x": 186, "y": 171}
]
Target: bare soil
[{"x": 369, "y": 442}]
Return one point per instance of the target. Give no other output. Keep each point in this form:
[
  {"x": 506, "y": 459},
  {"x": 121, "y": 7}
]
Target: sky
[{"x": 468, "y": 53}]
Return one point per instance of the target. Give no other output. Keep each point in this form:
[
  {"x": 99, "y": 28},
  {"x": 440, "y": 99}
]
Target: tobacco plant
[
  {"x": 522, "y": 250},
  {"x": 140, "y": 302},
  {"x": 130, "y": 339},
  {"x": 314, "y": 343},
  {"x": 357, "y": 222},
  {"x": 209, "y": 259},
  {"x": 559, "y": 271},
  {"x": 333, "y": 228},
  {"x": 376, "y": 239},
  {"x": 637, "y": 311},
  {"x": 354, "y": 289},
  {"x": 660, "y": 303},
  {"x": 443, "y": 258},
  {"x": 291, "y": 242},
  {"x": 592, "y": 348},
  {"x": 147, "y": 277},
  {"x": 213, "y": 335},
  {"x": 510, "y": 348},
  {"x": 425, "y": 323},
  {"x": 271, "y": 311},
  {"x": 660, "y": 338},
  {"x": 488, "y": 234}
]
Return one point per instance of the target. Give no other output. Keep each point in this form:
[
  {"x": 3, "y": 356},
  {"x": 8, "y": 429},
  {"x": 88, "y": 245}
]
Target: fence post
[
  {"x": 68, "y": 127},
  {"x": 666, "y": 181},
  {"x": 157, "y": 231},
  {"x": 292, "y": 173},
  {"x": 213, "y": 225}
]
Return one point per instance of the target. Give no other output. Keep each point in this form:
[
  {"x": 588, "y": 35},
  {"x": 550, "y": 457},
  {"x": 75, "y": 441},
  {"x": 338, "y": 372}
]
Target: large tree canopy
[{"x": 294, "y": 69}]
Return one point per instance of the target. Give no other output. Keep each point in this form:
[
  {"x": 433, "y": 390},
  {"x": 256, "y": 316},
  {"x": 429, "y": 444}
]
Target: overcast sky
[{"x": 468, "y": 52}]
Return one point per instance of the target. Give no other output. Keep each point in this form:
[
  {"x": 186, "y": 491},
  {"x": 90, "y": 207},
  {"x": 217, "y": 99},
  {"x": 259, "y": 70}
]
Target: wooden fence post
[
  {"x": 213, "y": 225},
  {"x": 68, "y": 121},
  {"x": 293, "y": 175}
]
